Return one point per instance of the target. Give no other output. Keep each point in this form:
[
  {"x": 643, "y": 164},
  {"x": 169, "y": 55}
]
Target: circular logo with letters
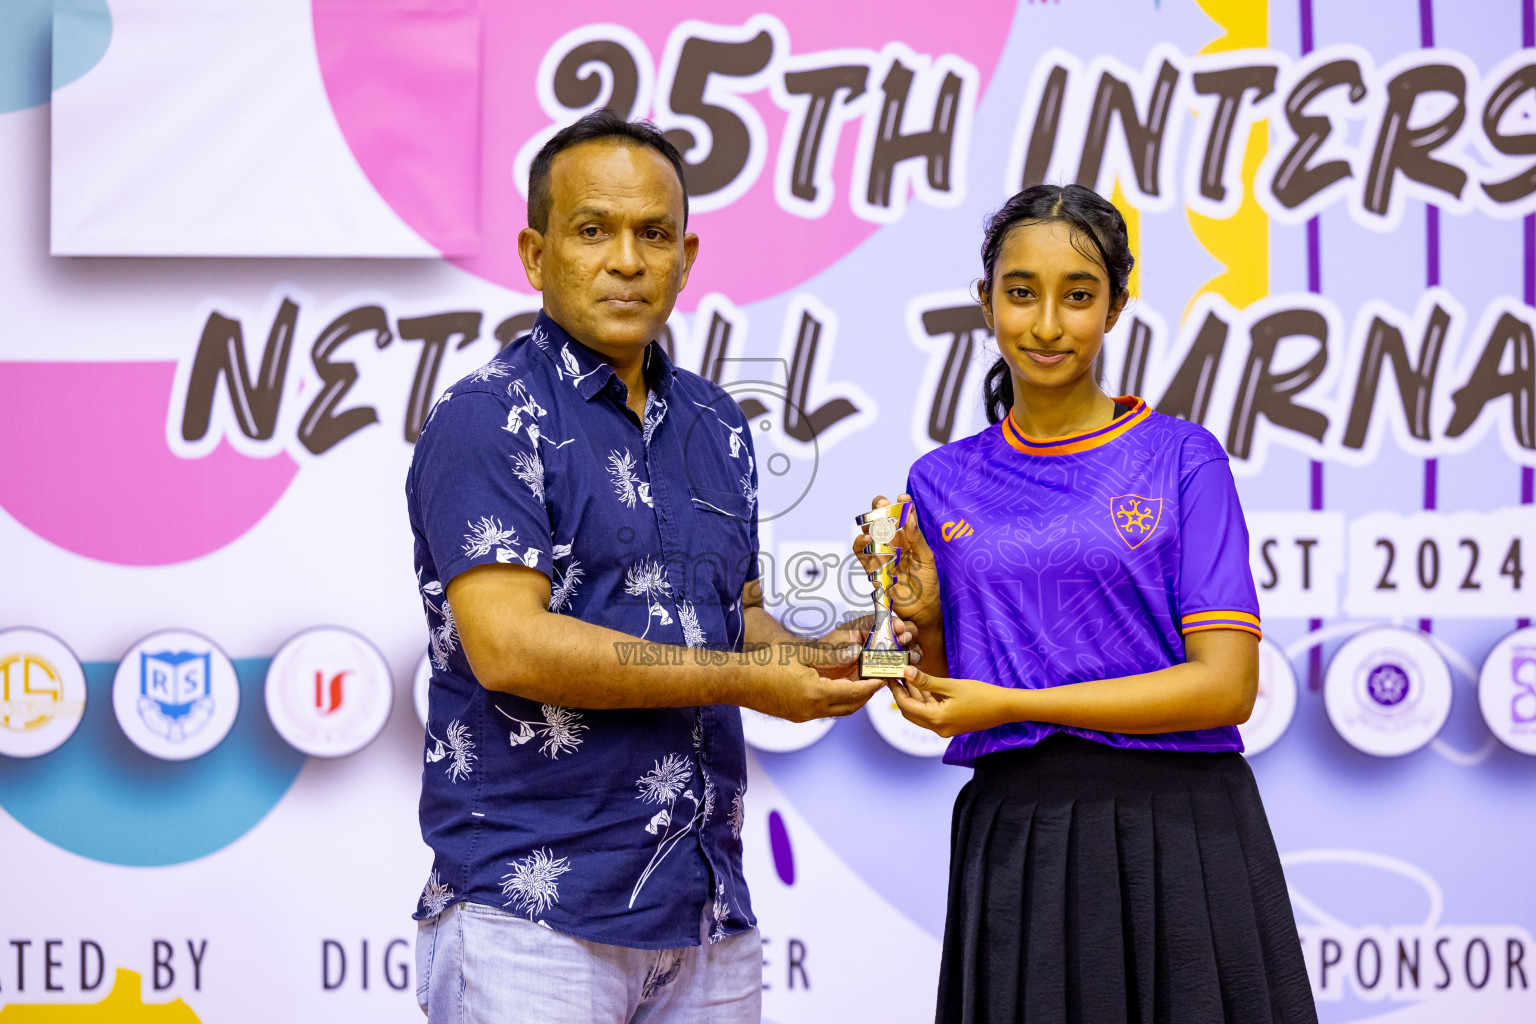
[
  {"x": 1388, "y": 691},
  {"x": 1275, "y": 705},
  {"x": 42, "y": 692},
  {"x": 175, "y": 695},
  {"x": 328, "y": 692},
  {"x": 1506, "y": 690}
]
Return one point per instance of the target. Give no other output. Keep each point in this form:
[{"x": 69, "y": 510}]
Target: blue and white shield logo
[
  {"x": 1135, "y": 517},
  {"x": 175, "y": 693}
]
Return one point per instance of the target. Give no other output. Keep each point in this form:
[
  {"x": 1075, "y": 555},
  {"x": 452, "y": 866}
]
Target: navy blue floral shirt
[{"x": 616, "y": 826}]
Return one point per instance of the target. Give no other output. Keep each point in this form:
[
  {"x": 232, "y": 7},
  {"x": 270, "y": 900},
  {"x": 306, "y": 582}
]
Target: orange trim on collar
[{"x": 1071, "y": 444}]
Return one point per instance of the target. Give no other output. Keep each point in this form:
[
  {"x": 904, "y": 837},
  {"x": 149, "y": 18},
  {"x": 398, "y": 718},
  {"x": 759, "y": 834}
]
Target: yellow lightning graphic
[{"x": 1241, "y": 242}]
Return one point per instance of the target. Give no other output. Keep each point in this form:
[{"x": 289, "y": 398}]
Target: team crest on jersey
[{"x": 1135, "y": 517}]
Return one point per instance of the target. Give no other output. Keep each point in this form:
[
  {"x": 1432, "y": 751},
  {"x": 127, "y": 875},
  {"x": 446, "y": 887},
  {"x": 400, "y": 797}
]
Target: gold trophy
[{"x": 882, "y": 657}]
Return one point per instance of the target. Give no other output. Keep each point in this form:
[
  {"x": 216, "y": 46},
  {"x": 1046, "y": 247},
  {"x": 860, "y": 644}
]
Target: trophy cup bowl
[{"x": 882, "y": 657}]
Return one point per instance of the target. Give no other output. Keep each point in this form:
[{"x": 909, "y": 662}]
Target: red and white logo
[{"x": 329, "y": 692}]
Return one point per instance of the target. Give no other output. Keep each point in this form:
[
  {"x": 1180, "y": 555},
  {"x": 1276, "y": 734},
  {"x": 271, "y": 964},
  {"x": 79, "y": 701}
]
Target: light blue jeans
[{"x": 482, "y": 965}]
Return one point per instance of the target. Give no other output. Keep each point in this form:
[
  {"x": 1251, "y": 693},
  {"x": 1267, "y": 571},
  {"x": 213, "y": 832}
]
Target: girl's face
[{"x": 1049, "y": 306}]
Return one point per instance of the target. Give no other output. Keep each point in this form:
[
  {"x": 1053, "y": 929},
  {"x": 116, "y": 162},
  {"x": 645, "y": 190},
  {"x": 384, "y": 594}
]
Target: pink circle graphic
[
  {"x": 86, "y": 466},
  {"x": 438, "y": 134}
]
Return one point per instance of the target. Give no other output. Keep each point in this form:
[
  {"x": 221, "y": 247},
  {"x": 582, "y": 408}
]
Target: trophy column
[{"x": 882, "y": 657}]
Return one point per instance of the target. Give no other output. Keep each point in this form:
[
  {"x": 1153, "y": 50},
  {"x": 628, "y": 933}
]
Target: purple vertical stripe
[
  {"x": 1528, "y": 39},
  {"x": 1315, "y": 256},
  {"x": 1527, "y": 488},
  {"x": 1530, "y": 260},
  {"x": 1315, "y": 661},
  {"x": 1431, "y": 265},
  {"x": 1432, "y": 245},
  {"x": 1315, "y": 286}
]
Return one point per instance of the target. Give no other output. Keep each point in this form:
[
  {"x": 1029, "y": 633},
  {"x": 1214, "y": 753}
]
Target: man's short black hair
[{"x": 599, "y": 124}]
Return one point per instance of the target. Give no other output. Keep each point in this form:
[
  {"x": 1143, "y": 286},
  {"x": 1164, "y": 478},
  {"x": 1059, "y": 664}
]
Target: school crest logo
[
  {"x": 1135, "y": 517},
  {"x": 175, "y": 693}
]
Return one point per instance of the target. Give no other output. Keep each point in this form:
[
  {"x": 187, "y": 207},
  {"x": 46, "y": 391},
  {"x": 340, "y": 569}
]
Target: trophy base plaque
[{"x": 882, "y": 664}]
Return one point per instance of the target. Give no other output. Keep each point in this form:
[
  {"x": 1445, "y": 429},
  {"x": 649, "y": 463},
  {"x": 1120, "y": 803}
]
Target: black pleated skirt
[{"x": 1095, "y": 885}]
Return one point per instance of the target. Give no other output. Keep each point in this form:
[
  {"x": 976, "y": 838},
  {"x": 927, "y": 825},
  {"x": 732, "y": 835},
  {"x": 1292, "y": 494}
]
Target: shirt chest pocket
[{"x": 722, "y": 546}]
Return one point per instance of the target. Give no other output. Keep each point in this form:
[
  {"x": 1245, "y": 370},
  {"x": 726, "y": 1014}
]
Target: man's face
[{"x": 614, "y": 255}]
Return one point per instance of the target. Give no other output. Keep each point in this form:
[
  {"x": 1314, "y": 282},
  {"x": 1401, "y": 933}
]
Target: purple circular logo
[{"x": 1387, "y": 685}]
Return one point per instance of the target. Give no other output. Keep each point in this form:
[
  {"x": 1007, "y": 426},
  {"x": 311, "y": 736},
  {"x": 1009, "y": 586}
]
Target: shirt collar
[
  {"x": 586, "y": 370},
  {"x": 1137, "y": 412}
]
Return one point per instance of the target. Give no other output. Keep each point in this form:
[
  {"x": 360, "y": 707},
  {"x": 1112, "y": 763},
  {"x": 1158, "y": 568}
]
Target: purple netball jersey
[{"x": 1083, "y": 557}]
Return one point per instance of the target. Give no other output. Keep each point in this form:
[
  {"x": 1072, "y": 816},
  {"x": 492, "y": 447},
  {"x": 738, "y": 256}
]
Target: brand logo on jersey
[
  {"x": 954, "y": 531},
  {"x": 1135, "y": 517}
]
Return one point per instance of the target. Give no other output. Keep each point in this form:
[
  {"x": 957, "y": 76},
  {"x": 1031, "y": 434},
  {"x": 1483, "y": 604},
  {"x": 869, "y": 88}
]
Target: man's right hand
[{"x": 799, "y": 693}]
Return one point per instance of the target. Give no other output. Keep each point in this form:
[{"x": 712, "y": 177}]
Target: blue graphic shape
[
  {"x": 101, "y": 797},
  {"x": 29, "y": 47},
  {"x": 82, "y": 29}
]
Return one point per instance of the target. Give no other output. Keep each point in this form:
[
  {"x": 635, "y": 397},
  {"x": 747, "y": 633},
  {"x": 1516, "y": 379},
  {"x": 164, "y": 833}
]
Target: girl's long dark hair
[{"x": 1094, "y": 221}]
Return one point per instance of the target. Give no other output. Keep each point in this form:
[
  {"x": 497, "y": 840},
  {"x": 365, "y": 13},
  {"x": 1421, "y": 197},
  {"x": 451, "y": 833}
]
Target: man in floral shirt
[{"x": 584, "y": 512}]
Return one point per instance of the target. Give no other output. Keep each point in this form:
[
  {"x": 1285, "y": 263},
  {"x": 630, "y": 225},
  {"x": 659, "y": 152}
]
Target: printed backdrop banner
[{"x": 211, "y": 641}]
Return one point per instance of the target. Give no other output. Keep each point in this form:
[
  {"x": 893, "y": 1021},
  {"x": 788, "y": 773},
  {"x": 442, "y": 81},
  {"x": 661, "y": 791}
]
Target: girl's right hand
[{"x": 915, "y": 597}]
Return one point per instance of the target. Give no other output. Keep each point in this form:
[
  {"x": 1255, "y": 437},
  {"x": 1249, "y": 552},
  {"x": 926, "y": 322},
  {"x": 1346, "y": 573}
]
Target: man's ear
[
  {"x": 690, "y": 253},
  {"x": 530, "y": 249},
  {"x": 1115, "y": 308}
]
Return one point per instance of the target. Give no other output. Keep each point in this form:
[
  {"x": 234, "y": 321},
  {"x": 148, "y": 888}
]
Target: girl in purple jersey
[{"x": 1090, "y": 635}]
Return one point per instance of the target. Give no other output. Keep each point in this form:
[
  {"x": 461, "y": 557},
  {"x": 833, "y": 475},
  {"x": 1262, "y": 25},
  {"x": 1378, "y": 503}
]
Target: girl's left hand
[{"x": 950, "y": 707}]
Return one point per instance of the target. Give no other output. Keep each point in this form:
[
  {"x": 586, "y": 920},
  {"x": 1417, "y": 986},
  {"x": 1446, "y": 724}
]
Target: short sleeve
[
  {"x": 479, "y": 488},
  {"x": 1215, "y": 582}
]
